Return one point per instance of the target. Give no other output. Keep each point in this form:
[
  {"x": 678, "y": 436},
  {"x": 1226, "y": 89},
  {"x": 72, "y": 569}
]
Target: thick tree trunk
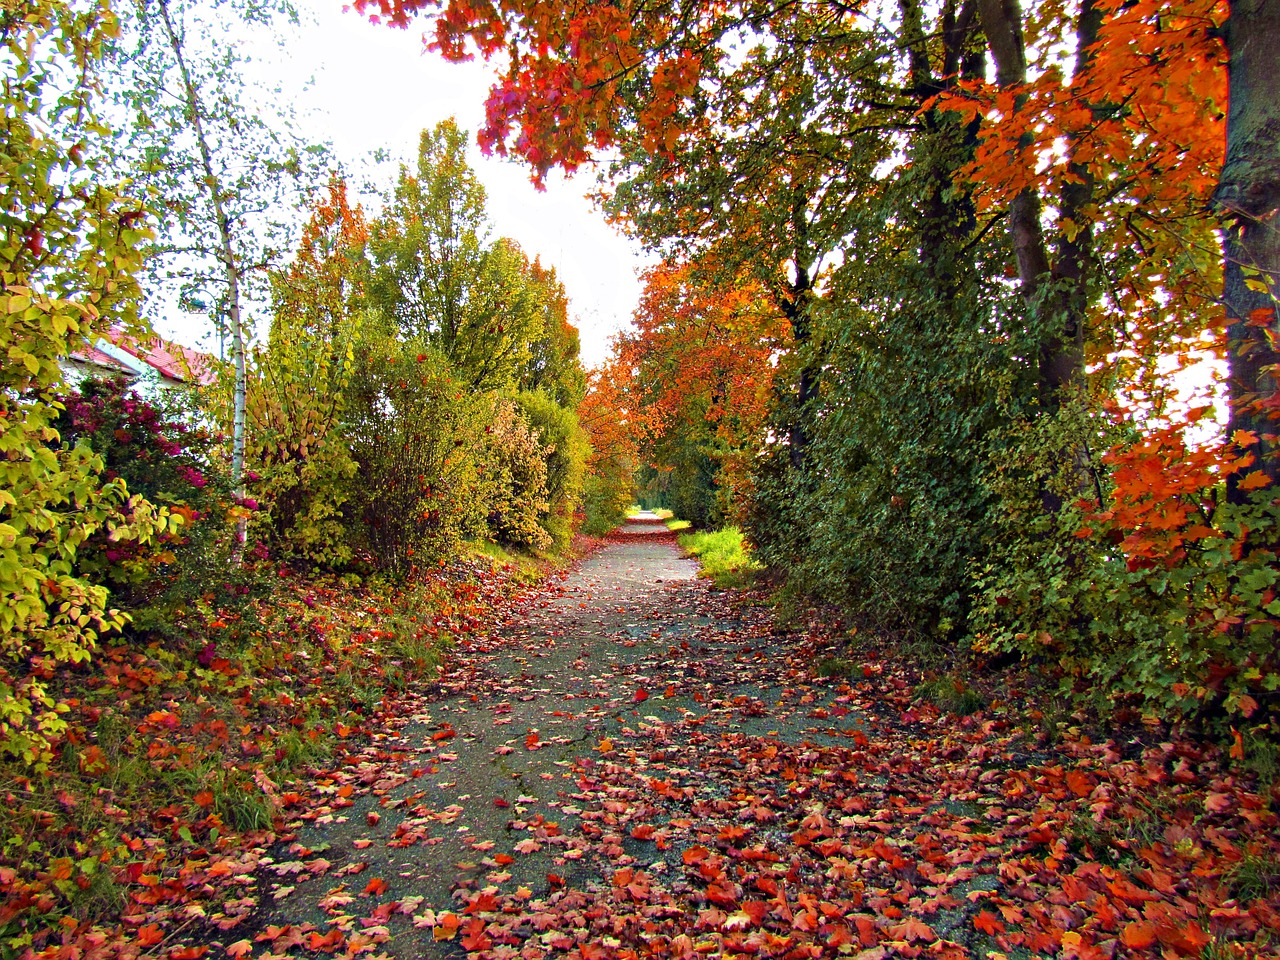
[{"x": 1249, "y": 195}]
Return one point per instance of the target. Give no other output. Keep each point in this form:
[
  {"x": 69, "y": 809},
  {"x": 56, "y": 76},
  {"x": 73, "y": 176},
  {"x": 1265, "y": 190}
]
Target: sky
[{"x": 375, "y": 88}]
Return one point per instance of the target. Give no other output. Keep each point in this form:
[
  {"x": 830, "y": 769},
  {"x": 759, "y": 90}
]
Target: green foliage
[
  {"x": 412, "y": 427},
  {"x": 723, "y": 555},
  {"x": 67, "y": 254},
  {"x": 435, "y": 278},
  {"x": 513, "y": 465},
  {"x": 1190, "y": 632},
  {"x": 565, "y": 449},
  {"x": 607, "y": 492}
]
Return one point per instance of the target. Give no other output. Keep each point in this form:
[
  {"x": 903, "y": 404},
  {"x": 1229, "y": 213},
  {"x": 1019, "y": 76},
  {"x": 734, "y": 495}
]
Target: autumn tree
[
  {"x": 69, "y": 253},
  {"x": 299, "y": 381}
]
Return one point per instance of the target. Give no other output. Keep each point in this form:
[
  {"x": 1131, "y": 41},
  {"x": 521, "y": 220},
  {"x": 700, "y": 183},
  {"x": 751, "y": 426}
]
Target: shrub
[
  {"x": 565, "y": 448},
  {"x": 159, "y": 451},
  {"x": 1166, "y": 598},
  {"x": 514, "y": 486},
  {"x": 413, "y": 428}
]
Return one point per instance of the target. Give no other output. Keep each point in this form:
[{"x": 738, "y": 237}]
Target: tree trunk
[
  {"x": 230, "y": 265},
  {"x": 1249, "y": 195},
  {"x": 1059, "y": 317}
]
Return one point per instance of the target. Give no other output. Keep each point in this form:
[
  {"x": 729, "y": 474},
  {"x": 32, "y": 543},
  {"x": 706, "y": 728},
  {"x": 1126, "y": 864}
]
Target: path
[{"x": 638, "y": 765}]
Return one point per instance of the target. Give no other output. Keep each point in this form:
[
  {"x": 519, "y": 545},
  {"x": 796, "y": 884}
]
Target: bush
[
  {"x": 1166, "y": 599},
  {"x": 514, "y": 485},
  {"x": 413, "y": 429},
  {"x": 158, "y": 450},
  {"x": 565, "y": 448}
]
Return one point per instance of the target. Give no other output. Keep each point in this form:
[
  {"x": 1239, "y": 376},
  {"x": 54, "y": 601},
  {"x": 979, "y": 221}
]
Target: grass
[
  {"x": 523, "y": 567},
  {"x": 723, "y": 555},
  {"x": 675, "y": 526},
  {"x": 833, "y": 667},
  {"x": 951, "y": 694}
]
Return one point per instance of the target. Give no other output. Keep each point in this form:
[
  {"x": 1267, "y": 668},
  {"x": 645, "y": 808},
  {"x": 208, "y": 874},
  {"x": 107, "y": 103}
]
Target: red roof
[
  {"x": 172, "y": 360},
  {"x": 99, "y": 358}
]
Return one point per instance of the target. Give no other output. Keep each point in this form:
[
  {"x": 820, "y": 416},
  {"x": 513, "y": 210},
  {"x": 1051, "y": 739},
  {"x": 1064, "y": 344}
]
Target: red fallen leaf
[
  {"x": 476, "y": 938},
  {"x": 988, "y": 923},
  {"x": 500, "y": 803},
  {"x": 504, "y": 859},
  {"x": 187, "y": 953},
  {"x": 912, "y": 929},
  {"x": 239, "y": 948},
  {"x": 721, "y": 892},
  {"x": 731, "y": 832},
  {"x": 1081, "y": 784},
  {"x": 375, "y": 886},
  {"x": 273, "y": 932},
  {"x": 1217, "y": 802},
  {"x": 670, "y": 691},
  {"x": 444, "y": 734},
  {"x": 204, "y": 799},
  {"x": 643, "y": 831},
  {"x": 695, "y": 855},
  {"x": 531, "y": 742},
  {"x": 482, "y": 903},
  {"x": 555, "y": 880},
  {"x": 328, "y": 942},
  {"x": 446, "y": 927},
  {"x": 150, "y": 934},
  {"x": 1138, "y": 935},
  {"x": 373, "y": 816},
  {"x": 640, "y": 696}
]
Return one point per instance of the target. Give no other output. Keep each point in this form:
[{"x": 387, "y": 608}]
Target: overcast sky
[{"x": 375, "y": 89}]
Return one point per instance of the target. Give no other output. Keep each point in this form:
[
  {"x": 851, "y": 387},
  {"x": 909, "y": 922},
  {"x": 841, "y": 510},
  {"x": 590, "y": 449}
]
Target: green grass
[
  {"x": 723, "y": 555},
  {"x": 675, "y": 526},
  {"x": 951, "y": 694}
]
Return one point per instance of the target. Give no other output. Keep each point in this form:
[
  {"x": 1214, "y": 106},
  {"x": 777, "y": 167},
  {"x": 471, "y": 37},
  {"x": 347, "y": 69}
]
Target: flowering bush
[{"x": 160, "y": 451}]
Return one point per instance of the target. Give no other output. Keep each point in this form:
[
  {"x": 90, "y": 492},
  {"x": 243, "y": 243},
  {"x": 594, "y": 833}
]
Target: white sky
[{"x": 375, "y": 88}]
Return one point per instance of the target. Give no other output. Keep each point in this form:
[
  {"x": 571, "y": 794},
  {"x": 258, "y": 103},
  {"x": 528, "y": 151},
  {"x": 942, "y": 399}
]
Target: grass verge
[{"x": 723, "y": 555}]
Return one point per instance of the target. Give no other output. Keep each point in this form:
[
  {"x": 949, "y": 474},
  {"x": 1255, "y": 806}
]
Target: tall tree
[
  {"x": 222, "y": 169},
  {"x": 1248, "y": 192},
  {"x": 436, "y": 277}
]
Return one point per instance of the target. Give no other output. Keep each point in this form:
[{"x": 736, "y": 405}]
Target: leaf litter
[{"x": 634, "y": 764}]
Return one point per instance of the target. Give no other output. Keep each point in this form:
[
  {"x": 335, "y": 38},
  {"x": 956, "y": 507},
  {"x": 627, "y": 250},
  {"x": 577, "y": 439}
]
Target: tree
[
  {"x": 68, "y": 255},
  {"x": 299, "y": 382},
  {"x": 1248, "y": 191},
  {"x": 221, "y": 170},
  {"x": 436, "y": 277}
]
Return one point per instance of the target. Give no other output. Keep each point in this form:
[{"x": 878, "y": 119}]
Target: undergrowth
[{"x": 173, "y": 749}]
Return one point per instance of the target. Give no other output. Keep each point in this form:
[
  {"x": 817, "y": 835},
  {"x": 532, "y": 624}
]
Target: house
[{"x": 150, "y": 363}]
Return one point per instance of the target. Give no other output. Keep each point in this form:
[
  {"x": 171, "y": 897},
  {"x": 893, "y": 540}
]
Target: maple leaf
[
  {"x": 1138, "y": 935},
  {"x": 988, "y": 923},
  {"x": 239, "y": 948}
]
